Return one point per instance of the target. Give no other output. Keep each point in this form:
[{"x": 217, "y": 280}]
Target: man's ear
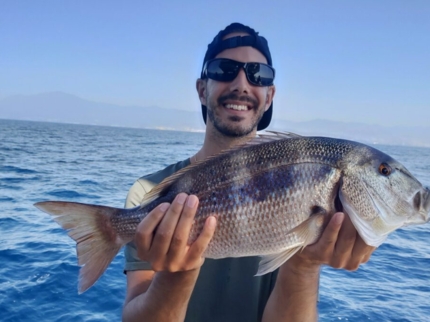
[
  {"x": 201, "y": 86},
  {"x": 269, "y": 97}
]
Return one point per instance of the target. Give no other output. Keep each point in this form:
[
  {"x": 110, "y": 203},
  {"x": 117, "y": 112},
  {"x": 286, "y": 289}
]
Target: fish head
[{"x": 380, "y": 195}]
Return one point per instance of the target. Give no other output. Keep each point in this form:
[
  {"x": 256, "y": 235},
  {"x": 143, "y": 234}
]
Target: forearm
[
  {"x": 294, "y": 297},
  {"x": 165, "y": 300}
]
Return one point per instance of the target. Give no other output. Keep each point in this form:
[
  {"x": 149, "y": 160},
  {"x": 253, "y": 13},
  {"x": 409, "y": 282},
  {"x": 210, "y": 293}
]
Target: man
[{"x": 168, "y": 280}]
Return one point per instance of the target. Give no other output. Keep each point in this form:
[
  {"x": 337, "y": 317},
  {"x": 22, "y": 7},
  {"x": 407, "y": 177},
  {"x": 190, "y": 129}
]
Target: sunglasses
[{"x": 226, "y": 70}]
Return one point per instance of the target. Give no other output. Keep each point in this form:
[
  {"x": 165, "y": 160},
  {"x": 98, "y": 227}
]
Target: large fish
[{"x": 271, "y": 198}]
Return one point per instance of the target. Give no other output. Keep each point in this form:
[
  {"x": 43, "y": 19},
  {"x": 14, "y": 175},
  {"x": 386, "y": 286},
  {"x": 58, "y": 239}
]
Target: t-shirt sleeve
[
  {"x": 134, "y": 198},
  {"x": 132, "y": 261},
  {"x": 135, "y": 195}
]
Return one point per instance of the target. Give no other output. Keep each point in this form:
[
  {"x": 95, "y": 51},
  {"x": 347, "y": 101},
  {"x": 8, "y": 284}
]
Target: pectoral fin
[{"x": 307, "y": 233}]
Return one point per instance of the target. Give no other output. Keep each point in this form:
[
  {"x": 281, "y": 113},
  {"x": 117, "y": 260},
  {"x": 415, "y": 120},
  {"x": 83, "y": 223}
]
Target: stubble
[{"x": 232, "y": 126}]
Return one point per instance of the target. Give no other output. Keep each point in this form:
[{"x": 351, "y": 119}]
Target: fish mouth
[{"x": 426, "y": 203}]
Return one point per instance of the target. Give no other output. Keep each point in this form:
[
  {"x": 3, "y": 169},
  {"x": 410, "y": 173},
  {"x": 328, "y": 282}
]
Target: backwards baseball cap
[{"x": 219, "y": 44}]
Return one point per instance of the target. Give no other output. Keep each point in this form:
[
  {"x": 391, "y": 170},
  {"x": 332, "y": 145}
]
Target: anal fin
[{"x": 271, "y": 262}]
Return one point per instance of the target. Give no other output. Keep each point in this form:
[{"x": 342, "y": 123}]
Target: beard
[{"x": 232, "y": 126}]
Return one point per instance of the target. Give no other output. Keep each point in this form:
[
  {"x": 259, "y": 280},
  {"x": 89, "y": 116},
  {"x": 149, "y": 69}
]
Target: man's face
[{"x": 235, "y": 108}]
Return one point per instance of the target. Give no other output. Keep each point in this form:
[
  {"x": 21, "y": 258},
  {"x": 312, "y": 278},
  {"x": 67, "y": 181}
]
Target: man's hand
[
  {"x": 162, "y": 240},
  {"x": 340, "y": 246},
  {"x": 295, "y": 294},
  {"x": 162, "y": 237}
]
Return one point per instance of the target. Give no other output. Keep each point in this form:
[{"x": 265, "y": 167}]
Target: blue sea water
[{"x": 93, "y": 164}]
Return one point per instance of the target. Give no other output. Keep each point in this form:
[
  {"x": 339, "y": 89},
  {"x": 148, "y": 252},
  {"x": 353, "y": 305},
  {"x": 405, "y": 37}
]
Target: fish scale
[
  {"x": 282, "y": 205},
  {"x": 271, "y": 198}
]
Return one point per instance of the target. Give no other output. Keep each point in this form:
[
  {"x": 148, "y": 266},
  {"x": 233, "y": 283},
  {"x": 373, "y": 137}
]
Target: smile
[{"x": 236, "y": 107}]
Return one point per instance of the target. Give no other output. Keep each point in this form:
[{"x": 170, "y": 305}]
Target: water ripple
[
  {"x": 70, "y": 195},
  {"x": 18, "y": 170}
]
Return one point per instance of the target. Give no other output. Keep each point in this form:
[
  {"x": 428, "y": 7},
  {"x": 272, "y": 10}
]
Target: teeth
[{"x": 237, "y": 107}]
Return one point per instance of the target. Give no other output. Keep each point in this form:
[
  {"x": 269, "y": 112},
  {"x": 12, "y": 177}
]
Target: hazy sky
[{"x": 365, "y": 60}]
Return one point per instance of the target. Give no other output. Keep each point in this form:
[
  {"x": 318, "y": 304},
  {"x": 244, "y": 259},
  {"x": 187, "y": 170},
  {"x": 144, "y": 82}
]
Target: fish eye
[{"x": 385, "y": 169}]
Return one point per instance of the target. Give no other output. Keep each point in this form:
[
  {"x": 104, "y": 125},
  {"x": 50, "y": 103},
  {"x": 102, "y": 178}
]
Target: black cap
[{"x": 254, "y": 40}]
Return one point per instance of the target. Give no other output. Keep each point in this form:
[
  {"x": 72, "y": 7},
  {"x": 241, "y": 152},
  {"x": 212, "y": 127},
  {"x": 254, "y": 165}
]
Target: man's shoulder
[
  {"x": 145, "y": 184},
  {"x": 157, "y": 177}
]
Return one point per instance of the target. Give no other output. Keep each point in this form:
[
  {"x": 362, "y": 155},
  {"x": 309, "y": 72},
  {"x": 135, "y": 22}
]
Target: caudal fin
[{"x": 97, "y": 242}]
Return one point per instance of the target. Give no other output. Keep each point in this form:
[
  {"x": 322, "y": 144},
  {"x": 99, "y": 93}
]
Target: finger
[
  {"x": 146, "y": 228},
  {"x": 360, "y": 254},
  {"x": 327, "y": 241},
  {"x": 165, "y": 230},
  {"x": 344, "y": 244},
  {"x": 366, "y": 257},
  {"x": 197, "y": 249},
  {"x": 182, "y": 232}
]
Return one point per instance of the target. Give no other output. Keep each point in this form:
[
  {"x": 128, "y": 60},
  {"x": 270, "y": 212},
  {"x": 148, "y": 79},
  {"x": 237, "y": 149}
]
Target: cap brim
[{"x": 265, "y": 120}]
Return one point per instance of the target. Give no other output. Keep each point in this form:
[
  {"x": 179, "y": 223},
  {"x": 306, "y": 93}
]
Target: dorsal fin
[
  {"x": 281, "y": 135},
  {"x": 269, "y": 136},
  {"x": 259, "y": 139},
  {"x": 155, "y": 192}
]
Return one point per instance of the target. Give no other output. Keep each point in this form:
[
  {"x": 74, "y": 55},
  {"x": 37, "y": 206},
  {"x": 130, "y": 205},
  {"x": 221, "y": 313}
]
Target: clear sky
[{"x": 364, "y": 60}]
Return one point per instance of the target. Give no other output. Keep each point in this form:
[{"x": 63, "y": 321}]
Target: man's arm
[
  {"x": 295, "y": 295},
  {"x": 161, "y": 239},
  {"x": 161, "y": 296}
]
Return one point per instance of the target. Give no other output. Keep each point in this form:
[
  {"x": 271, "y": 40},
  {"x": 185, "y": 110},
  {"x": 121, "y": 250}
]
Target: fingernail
[
  {"x": 181, "y": 198},
  {"x": 191, "y": 202},
  {"x": 211, "y": 222},
  {"x": 338, "y": 218},
  {"x": 164, "y": 206}
]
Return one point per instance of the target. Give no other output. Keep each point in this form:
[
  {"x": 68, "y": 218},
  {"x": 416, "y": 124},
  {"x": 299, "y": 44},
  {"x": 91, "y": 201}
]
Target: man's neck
[{"x": 215, "y": 143}]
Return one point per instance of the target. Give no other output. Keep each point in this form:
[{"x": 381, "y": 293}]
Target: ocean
[{"x": 95, "y": 164}]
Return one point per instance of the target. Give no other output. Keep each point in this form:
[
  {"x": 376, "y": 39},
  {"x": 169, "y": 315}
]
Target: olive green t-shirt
[{"x": 226, "y": 289}]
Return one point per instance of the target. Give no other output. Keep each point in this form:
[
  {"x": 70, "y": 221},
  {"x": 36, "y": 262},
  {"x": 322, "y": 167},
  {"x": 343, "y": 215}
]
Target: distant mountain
[
  {"x": 366, "y": 133},
  {"x": 65, "y": 108}
]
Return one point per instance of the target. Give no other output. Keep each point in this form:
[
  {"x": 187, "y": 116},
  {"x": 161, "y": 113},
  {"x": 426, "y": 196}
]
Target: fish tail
[{"x": 97, "y": 241}]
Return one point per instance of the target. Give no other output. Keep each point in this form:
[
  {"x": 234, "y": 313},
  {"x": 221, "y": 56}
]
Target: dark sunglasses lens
[
  {"x": 222, "y": 70},
  {"x": 226, "y": 70},
  {"x": 260, "y": 74}
]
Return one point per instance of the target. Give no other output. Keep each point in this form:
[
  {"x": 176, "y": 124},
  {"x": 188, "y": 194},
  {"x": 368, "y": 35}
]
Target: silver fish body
[{"x": 271, "y": 198}]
